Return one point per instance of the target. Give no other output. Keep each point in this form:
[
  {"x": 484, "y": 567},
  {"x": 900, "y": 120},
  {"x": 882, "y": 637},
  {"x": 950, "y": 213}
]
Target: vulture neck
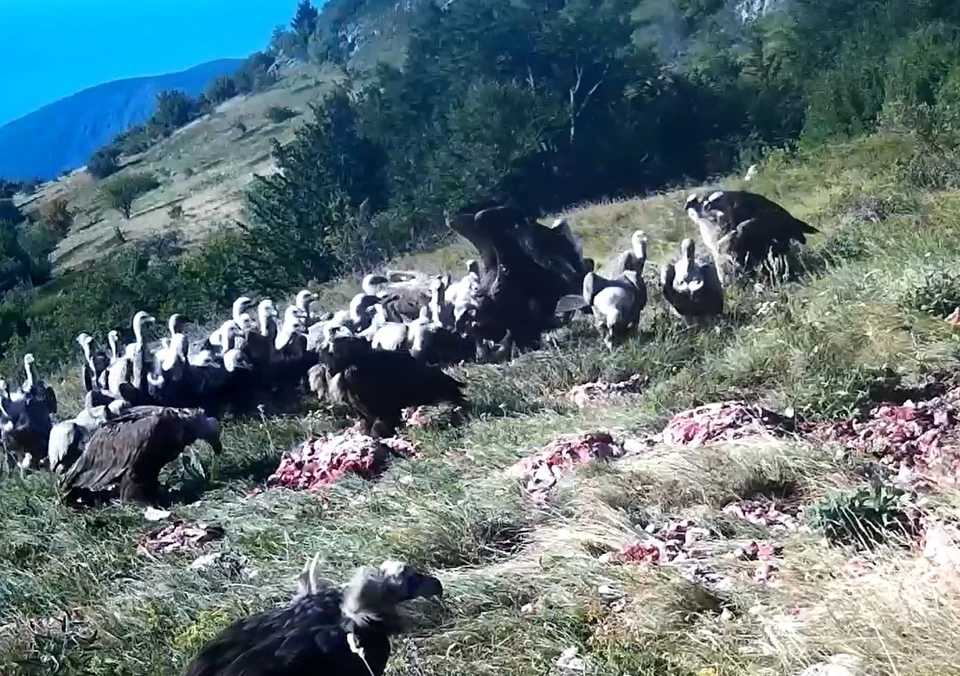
[{"x": 28, "y": 368}]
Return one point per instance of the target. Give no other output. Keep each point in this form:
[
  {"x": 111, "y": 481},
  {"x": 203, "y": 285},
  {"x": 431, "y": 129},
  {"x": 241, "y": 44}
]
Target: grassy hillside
[
  {"x": 63, "y": 134},
  {"x": 202, "y": 168},
  {"x": 526, "y": 582}
]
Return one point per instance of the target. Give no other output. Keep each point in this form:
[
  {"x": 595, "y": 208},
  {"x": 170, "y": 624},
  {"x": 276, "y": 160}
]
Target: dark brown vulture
[
  {"x": 527, "y": 268},
  {"x": 326, "y": 630},
  {"x": 746, "y": 227},
  {"x": 379, "y": 384},
  {"x": 128, "y": 452}
]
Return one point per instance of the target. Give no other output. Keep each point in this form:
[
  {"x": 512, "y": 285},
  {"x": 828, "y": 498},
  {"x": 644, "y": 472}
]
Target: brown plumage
[
  {"x": 745, "y": 227},
  {"x": 127, "y": 453},
  {"x": 378, "y": 384}
]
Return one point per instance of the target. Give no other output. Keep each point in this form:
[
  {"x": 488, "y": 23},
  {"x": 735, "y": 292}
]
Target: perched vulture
[
  {"x": 745, "y": 227},
  {"x": 527, "y": 268},
  {"x": 692, "y": 285},
  {"x": 128, "y": 452},
  {"x": 326, "y": 630},
  {"x": 633, "y": 258},
  {"x": 378, "y": 384}
]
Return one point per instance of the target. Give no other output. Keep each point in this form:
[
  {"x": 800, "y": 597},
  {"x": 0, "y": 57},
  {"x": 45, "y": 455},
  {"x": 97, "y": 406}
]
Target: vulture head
[
  {"x": 113, "y": 338},
  {"x": 139, "y": 320},
  {"x": 473, "y": 267},
  {"x": 177, "y": 323},
  {"x": 376, "y": 592},
  {"x": 304, "y": 299},
  {"x": 373, "y": 283},
  {"x": 240, "y": 314},
  {"x": 203, "y": 427}
]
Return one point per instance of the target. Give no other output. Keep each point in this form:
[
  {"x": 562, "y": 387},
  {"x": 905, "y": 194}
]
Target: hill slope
[{"x": 63, "y": 134}]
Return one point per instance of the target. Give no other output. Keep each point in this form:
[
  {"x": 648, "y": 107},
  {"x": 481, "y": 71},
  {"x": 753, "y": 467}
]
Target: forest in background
[{"x": 543, "y": 104}]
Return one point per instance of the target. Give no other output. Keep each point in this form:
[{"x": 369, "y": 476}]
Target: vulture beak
[{"x": 424, "y": 586}]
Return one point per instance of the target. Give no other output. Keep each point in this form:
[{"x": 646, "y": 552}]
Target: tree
[
  {"x": 10, "y": 213},
  {"x": 254, "y": 74},
  {"x": 174, "y": 109},
  {"x": 121, "y": 192},
  {"x": 305, "y": 20},
  {"x": 221, "y": 89},
  {"x": 329, "y": 167},
  {"x": 57, "y": 215},
  {"x": 103, "y": 162}
]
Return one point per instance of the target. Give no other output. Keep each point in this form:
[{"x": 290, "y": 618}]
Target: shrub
[
  {"x": 121, "y": 192},
  {"x": 176, "y": 212},
  {"x": 278, "y": 114},
  {"x": 240, "y": 127},
  {"x": 57, "y": 214},
  {"x": 10, "y": 212},
  {"x": 865, "y": 518},
  {"x": 221, "y": 89},
  {"x": 938, "y": 293},
  {"x": 103, "y": 163}
]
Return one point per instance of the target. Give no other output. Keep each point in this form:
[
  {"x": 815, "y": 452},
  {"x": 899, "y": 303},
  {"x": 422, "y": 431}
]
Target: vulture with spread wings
[
  {"x": 527, "y": 269},
  {"x": 126, "y": 454}
]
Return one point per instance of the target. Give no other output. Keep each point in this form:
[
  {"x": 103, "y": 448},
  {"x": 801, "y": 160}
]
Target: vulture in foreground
[
  {"x": 527, "y": 269},
  {"x": 378, "y": 384},
  {"x": 692, "y": 284},
  {"x": 745, "y": 227},
  {"x": 128, "y": 452},
  {"x": 326, "y": 630}
]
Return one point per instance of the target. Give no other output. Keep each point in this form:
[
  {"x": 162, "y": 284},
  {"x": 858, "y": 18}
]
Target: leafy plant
[
  {"x": 938, "y": 293},
  {"x": 864, "y": 518},
  {"x": 278, "y": 114},
  {"x": 120, "y": 192}
]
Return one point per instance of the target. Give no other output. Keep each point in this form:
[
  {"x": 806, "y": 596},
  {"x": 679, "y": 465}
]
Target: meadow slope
[
  {"x": 204, "y": 168},
  {"x": 525, "y": 582}
]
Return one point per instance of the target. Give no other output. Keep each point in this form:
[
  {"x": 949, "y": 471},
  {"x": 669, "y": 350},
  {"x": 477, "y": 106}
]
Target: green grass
[{"x": 524, "y": 582}]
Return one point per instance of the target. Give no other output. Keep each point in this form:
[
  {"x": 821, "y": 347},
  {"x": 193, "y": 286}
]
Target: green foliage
[
  {"x": 173, "y": 110},
  {"x": 57, "y": 215},
  {"x": 278, "y": 114},
  {"x": 305, "y": 20},
  {"x": 864, "y": 518},
  {"x": 120, "y": 192},
  {"x": 103, "y": 162},
  {"x": 221, "y": 89},
  {"x": 10, "y": 212},
  {"x": 937, "y": 293},
  {"x": 254, "y": 73}
]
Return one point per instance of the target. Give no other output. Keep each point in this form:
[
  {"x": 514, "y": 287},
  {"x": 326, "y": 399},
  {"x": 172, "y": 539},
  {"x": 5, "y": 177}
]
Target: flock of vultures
[{"x": 385, "y": 352}]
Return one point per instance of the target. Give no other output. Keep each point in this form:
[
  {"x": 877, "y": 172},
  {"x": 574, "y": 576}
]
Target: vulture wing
[
  {"x": 399, "y": 378},
  {"x": 304, "y": 638},
  {"x": 112, "y": 451}
]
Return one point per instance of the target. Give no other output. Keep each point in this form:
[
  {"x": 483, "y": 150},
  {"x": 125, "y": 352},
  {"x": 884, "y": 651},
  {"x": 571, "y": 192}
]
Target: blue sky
[{"x": 53, "y": 48}]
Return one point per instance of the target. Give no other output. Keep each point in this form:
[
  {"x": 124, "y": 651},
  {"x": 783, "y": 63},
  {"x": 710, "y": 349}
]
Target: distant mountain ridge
[{"x": 62, "y": 135}]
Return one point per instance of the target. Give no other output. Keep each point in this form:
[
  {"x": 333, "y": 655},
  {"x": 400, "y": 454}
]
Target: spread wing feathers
[
  {"x": 144, "y": 435},
  {"x": 405, "y": 301},
  {"x": 740, "y": 206},
  {"x": 307, "y": 637}
]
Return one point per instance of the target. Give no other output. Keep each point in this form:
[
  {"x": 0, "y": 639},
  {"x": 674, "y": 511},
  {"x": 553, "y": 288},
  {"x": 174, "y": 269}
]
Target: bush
[
  {"x": 176, "y": 212},
  {"x": 221, "y": 89},
  {"x": 174, "y": 110},
  {"x": 121, "y": 192},
  {"x": 937, "y": 293},
  {"x": 103, "y": 162},
  {"x": 278, "y": 114},
  {"x": 10, "y": 212},
  {"x": 57, "y": 214},
  {"x": 254, "y": 74},
  {"x": 864, "y": 518}
]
